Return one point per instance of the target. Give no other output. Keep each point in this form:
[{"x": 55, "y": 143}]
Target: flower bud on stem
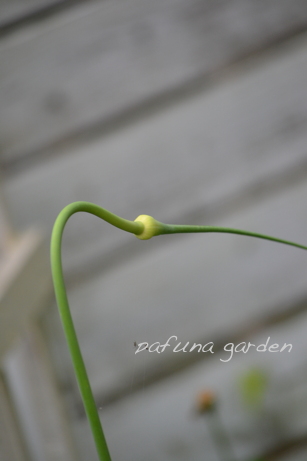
[{"x": 144, "y": 227}]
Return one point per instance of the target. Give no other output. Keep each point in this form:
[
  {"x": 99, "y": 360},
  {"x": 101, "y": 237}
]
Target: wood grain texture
[
  {"x": 160, "y": 421},
  {"x": 192, "y": 132},
  {"x": 200, "y": 288},
  {"x": 227, "y": 147},
  {"x": 93, "y": 64}
]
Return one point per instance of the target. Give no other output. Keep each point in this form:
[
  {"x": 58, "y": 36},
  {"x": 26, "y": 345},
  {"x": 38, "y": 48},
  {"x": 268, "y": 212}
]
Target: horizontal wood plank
[
  {"x": 93, "y": 63},
  {"x": 199, "y": 288},
  {"x": 160, "y": 422},
  {"x": 195, "y": 159}
]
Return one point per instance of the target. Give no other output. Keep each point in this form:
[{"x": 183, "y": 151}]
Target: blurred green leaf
[{"x": 253, "y": 386}]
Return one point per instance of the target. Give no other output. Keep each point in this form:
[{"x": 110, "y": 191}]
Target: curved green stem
[
  {"x": 62, "y": 301},
  {"x": 144, "y": 227},
  {"x": 179, "y": 229}
]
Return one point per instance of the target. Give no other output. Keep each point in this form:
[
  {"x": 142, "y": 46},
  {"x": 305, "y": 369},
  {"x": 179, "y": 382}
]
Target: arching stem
[
  {"x": 144, "y": 227},
  {"x": 62, "y": 301}
]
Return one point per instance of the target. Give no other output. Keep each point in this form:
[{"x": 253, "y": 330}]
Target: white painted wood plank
[
  {"x": 160, "y": 423},
  {"x": 95, "y": 62},
  {"x": 25, "y": 282},
  {"x": 201, "y": 286},
  {"x": 193, "y": 156}
]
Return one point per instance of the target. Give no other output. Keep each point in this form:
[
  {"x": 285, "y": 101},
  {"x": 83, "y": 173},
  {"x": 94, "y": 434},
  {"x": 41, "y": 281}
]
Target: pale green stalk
[{"x": 144, "y": 227}]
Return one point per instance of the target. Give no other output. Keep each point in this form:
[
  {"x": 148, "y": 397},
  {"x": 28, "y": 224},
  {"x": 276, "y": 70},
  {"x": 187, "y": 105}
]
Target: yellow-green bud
[{"x": 151, "y": 227}]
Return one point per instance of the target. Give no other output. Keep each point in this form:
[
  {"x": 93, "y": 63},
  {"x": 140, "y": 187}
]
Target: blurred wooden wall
[{"x": 192, "y": 112}]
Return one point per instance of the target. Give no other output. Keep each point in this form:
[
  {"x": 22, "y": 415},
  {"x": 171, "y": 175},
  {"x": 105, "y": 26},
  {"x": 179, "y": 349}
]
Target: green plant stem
[
  {"x": 135, "y": 227},
  {"x": 62, "y": 301},
  {"x": 181, "y": 229}
]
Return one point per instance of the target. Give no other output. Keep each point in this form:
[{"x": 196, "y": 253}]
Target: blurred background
[{"x": 191, "y": 112}]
